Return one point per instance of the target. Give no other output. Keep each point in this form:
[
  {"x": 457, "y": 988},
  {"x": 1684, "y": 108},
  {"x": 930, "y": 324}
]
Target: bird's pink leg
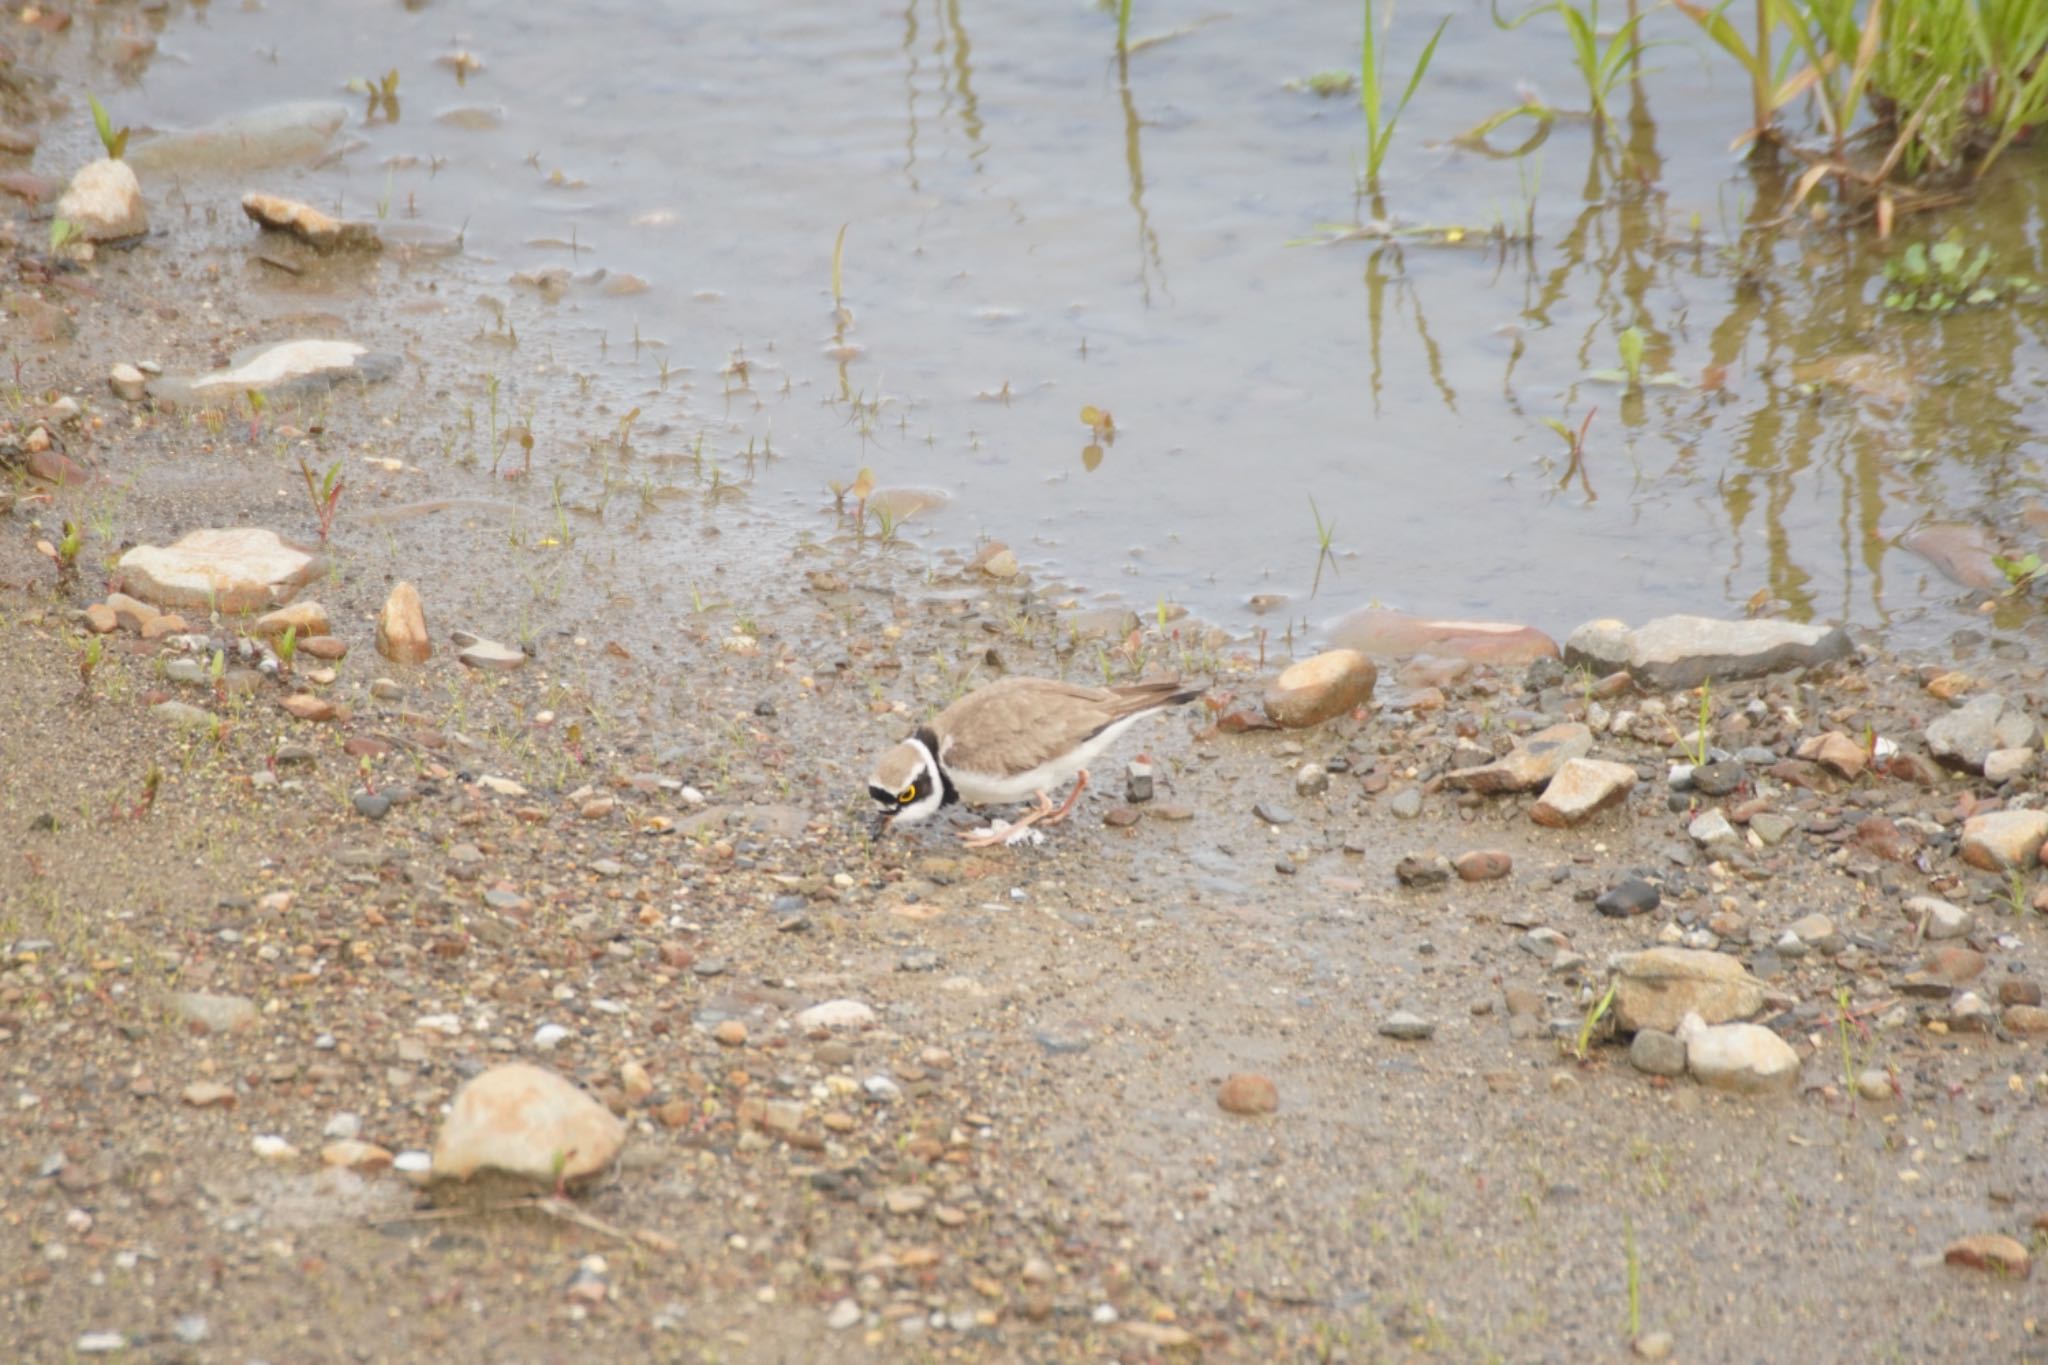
[{"x": 1080, "y": 785}]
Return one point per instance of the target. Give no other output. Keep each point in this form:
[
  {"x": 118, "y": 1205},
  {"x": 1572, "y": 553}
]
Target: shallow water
[{"x": 1032, "y": 227}]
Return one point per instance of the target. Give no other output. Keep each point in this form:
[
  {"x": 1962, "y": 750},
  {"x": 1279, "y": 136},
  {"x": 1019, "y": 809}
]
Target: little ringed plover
[{"x": 1014, "y": 739}]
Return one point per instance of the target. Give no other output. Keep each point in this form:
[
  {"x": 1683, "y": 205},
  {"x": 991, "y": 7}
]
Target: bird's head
[{"x": 907, "y": 784}]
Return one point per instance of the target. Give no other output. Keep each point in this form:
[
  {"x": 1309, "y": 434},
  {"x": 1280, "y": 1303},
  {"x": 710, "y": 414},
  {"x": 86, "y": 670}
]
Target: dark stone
[
  {"x": 1633, "y": 896},
  {"x": 1719, "y": 779}
]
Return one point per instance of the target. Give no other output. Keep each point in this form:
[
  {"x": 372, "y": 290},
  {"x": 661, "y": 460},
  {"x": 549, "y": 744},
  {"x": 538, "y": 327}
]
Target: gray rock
[
  {"x": 1273, "y": 813},
  {"x": 214, "y": 1013},
  {"x": 1672, "y": 653},
  {"x": 1967, "y": 736},
  {"x": 1817, "y": 932},
  {"x": 1582, "y": 788},
  {"x": 1532, "y": 763},
  {"x": 1711, "y": 828},
  {"x": 1771, "y": 828},
  {"x": 2008, "y": 765},
  {"x": 1312, "y": 779},
  {"x": 1423, "y": 870},
  {"x": 1632, "y": 896},
  {"x": 1657, "y": 1053},
  {"x": 1601, "y": 646},
  {"x": 1746, "y": 1058},
  {"x": 1942, "y": 919},
  {"x": 1658, "y": 987},
  {"x": 1719, "y": 779},
  {"x": 1407, "y": 1027},
  {"x": 182, "y": 713},
  {"x": 1138, "y": 781},
  {"x": 301, "y": 368},
  {"x": 1406, "y": 804}
]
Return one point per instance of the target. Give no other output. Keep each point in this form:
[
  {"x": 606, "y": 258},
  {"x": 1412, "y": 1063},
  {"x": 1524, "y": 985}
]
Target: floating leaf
[{"x": 1091, "y": 457}]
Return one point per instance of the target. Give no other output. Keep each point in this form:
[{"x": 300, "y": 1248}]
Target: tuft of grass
[
  {"x": 114, "y": 140},
  {"x": 324, "y": 492},
  {"x": 1379, "y": 123},
  {"x": 1601, "y": 65},
  {"x": 1592, "y": 1020},
  {"x": 1324, "y": 555}
]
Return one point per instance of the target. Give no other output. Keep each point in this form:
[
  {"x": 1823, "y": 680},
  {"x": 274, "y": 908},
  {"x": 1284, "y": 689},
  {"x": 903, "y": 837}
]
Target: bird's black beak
[{"x": 883, "y": 821}]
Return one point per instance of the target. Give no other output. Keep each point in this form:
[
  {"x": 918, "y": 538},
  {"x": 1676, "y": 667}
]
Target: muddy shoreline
[{"x": 638, "y": 858}]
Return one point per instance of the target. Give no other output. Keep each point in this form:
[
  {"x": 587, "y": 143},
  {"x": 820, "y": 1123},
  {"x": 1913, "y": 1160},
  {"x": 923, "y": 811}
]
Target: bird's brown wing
[{"x": 1015, "y": 724}]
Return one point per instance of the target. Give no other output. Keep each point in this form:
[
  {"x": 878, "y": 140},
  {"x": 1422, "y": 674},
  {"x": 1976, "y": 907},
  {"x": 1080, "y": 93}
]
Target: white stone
[
  {"x": 127, "y": 382},
  {"x": 286, "y": 360},
  {"x": 237, "y": 569},
  {"x": 527, "y": 1121},
  {"x": 832, "y": 1014},
  {"x": 1746, "y": 1058},
  {"x": 1943, "y": 920},
  {"x": 104, "y": 202}
]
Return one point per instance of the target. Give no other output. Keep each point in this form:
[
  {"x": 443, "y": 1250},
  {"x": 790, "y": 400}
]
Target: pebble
[
  {"x": 1942, "y": 920},
  {"x": 214, "y": 1013},
  {"x": 208, "y": 1095},
  {"x": 1273, "y": 813},
  {"x": 1719, "y": 778},
  {"x": 1407, "y": 1027},
  {"x": 1746, "y": 1058},
  {"x": 2007, "y": 765},
  {"x": 1631, "y": 896},
  {"x": 127, "y": 382},
  {"x": 1770, "y": 828},
  {"x": 1483, "y": 865},
  {"x": 1531, "y": 763},
  {"x": 548, "y": 1037},
  {"x": 1657, "y": 1053},
  {"x": 1582, "y": 789},
  {"x": 528, "y": 1121},
  {"x": 1246, "y": 1092},
  {"x": 1990, "y": 1251},
  {"x": 1421, "y": 870},
  {"x": 1874, "y": 1083},
  {"x": 845, "y": 1313},
  {"x": 730, "y": 1033},
  {"x": 1311, "y": 779},
  {"x": 1406, "y": 804},
  {"x": 1710, "y": 828},
  {"x": 1659, "y": 987},
  {"x": 1138, "y": 781},
  {"x": 835, "y": 1014},
  {"x": 2004, "y": 839},
  {"x": 1966, "y": 737},
  {"x": 1654, "y": 1346},
  {"x": 1320, "y": 688},
  {"x": 371, "y": 805}
]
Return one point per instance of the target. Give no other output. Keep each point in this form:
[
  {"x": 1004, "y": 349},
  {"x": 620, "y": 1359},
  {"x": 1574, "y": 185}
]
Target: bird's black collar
[{"x": 929, "y": 738}]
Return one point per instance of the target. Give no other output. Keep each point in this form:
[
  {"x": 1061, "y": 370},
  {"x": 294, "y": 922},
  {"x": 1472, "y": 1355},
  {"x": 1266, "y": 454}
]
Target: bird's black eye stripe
[{"x": 883, "y": 795}]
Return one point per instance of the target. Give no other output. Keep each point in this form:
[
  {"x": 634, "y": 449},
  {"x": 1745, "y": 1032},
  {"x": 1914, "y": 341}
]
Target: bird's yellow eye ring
[{"x": 907, "y": 795}]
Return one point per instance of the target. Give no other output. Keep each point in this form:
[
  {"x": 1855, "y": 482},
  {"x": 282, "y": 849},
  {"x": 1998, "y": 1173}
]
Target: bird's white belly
[{"x": 996, "y": 789}]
